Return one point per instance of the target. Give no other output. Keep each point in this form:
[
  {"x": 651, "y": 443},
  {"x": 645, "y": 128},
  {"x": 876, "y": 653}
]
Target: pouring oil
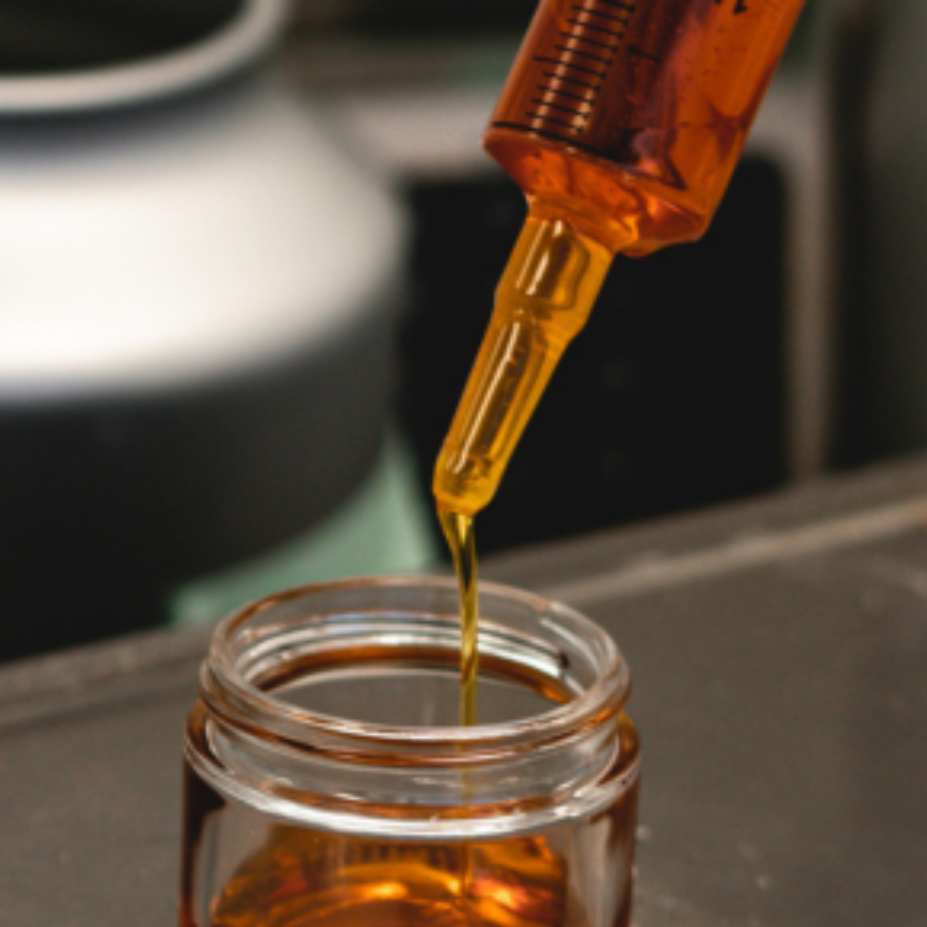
[
  {"x": 622, "y": 122},
  {"x": 459, "y": 531}
]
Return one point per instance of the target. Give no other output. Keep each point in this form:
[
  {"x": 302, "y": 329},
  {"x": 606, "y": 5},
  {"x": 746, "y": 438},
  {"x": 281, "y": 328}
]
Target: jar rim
[{"x": 227, "y": 690}]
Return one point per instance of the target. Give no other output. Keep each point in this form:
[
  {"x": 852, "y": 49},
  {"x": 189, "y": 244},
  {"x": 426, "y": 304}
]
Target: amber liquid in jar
[
  {"x": 276, "y": 874},
  {"x": 629, "y": 116},
  {"x": 299, "y": 877}
]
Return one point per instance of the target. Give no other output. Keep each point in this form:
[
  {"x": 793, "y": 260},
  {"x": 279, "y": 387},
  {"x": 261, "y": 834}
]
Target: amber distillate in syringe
[{"x": 622, "y": 121}]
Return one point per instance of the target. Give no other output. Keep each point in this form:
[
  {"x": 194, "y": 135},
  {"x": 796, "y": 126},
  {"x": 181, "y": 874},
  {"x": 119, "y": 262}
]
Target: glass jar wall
[{"x": 328, "y": 784}]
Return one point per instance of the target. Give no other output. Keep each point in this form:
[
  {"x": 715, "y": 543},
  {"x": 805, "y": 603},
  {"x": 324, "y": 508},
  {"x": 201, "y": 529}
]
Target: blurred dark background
[
  {"x": 55, "y": 36},
  {"x": 669, "y": 400}
]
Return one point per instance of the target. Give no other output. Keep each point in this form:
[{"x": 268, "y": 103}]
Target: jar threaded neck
[{"x": 319, "y": 702}]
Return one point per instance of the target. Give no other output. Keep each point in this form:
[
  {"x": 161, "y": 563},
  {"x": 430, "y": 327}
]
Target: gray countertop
[{"x": 780, "y": 657}]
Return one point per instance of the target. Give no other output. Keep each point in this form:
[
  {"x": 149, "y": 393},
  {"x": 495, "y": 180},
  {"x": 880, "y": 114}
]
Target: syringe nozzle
[{"x": 543, "y": 300}]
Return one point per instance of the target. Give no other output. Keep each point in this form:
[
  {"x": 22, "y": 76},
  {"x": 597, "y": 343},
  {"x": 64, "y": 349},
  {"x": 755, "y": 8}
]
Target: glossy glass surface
[{"x": 324, "y": 786}]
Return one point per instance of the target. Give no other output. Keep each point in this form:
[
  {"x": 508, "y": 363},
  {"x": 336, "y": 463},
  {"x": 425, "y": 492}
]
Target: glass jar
[{"x": 328, "y": 784}]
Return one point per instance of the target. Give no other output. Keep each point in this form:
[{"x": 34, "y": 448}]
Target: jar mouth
[
  {"x": 237, "y": 32},
  {"x": 548, "y": 641}
]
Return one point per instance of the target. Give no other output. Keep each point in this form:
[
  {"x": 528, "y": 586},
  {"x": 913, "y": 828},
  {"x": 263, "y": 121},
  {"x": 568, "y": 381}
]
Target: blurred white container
[{"x": 197, "y": 299}]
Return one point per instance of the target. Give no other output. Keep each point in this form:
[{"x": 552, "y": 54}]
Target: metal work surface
[{"x": 780, "y": 657}]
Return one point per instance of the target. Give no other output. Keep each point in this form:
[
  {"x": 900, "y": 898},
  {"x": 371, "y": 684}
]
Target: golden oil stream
[{"x": 458, "y": 529}]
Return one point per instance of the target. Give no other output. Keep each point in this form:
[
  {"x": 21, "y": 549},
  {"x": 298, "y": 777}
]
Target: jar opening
[
  {"x": 337, "y": 705},
  {"x": 307, "y": 663},
  {"x": 413, "y": 688}
]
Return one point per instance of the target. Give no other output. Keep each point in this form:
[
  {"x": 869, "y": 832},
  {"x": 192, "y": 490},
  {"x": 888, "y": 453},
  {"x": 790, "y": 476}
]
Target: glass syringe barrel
[{"x": 622, "y": 121}]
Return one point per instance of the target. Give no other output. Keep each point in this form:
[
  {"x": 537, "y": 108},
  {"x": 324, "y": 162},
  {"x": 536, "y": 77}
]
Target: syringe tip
[
  {"x": 543, "y": 300},
  {"x": 463, "y": 483}
]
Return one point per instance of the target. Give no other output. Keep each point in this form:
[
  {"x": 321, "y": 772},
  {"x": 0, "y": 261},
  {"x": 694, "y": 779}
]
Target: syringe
[{"x": 622, "y": 121}]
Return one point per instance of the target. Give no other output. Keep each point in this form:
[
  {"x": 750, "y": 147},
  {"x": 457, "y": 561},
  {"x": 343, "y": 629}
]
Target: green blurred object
[
  {"x": 805, "y": 43},
  {"x": 384, "y": 528}
]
